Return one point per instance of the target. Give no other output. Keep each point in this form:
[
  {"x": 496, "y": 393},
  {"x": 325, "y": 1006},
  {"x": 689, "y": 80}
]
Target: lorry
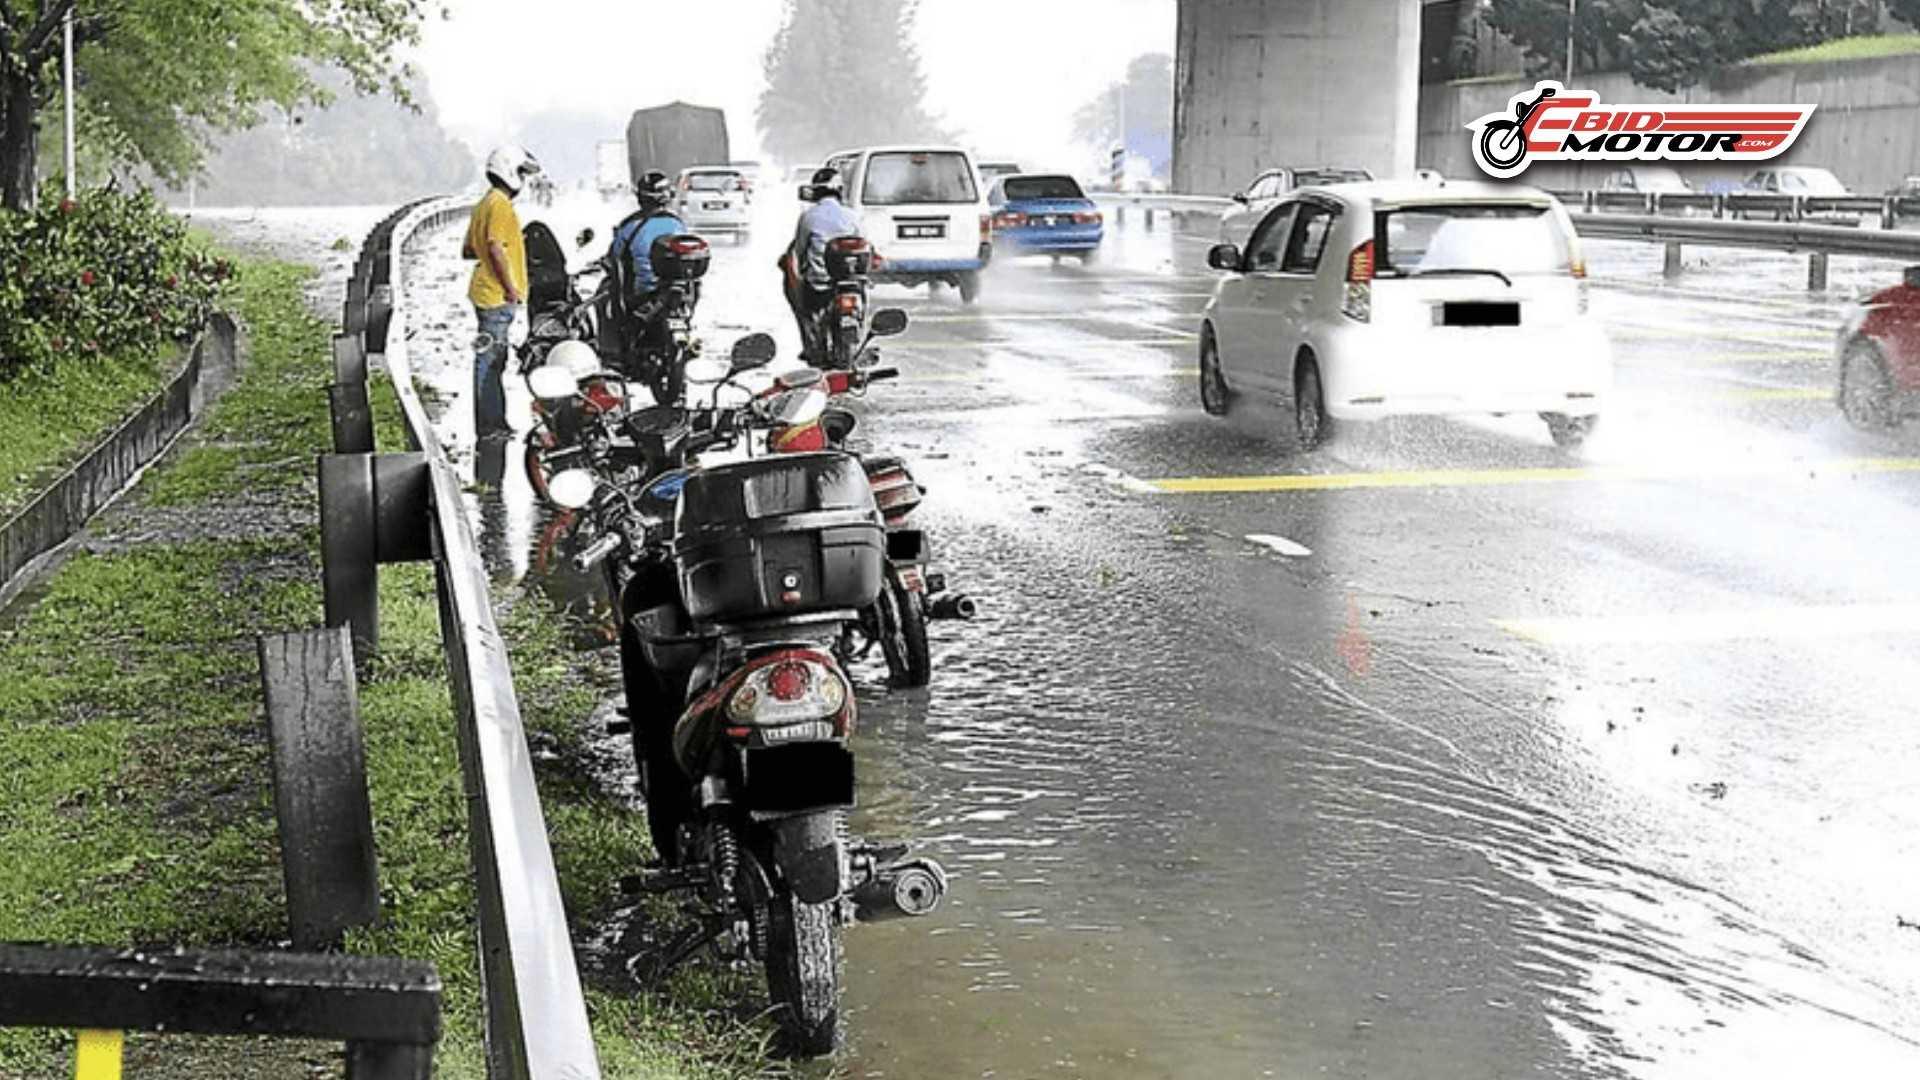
[{"x": 674, "y": 137}]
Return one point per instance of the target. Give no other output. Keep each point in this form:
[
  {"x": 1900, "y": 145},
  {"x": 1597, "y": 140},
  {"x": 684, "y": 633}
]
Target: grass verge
[
  {"x": 137, "y": 808},
  {"x": 51, "y": 417},
  {"x": 1864, "y": 47}
]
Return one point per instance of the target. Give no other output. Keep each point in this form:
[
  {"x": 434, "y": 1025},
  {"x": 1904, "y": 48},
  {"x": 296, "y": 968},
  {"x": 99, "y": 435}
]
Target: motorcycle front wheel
[
  {"x": 902, "y": 622},
  {"x": 803, "y": 972}
]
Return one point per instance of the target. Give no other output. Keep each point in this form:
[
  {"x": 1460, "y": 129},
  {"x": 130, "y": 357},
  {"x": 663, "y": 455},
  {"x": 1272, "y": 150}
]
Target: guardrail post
[
  {"x": 373, "y": 509},
  {"x": 347, "y": 398},
  {"x": 1817, "y": 272},
  {"x": 1671, "y": 267},
  {"x": 1888, "y": 213},
  {"x": 320, "y": 784}
]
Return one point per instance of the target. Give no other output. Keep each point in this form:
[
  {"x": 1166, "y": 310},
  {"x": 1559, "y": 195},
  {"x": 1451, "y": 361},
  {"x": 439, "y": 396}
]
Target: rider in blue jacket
[{"x": 633, "y": 238}]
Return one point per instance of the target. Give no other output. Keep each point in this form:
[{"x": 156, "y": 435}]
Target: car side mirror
[
  {"x": 888, "y": 322},
  {"x": 1910, "y": 277},
  {"x": 1241, "y": 198},
  {"x": 1223, "y": 257}
]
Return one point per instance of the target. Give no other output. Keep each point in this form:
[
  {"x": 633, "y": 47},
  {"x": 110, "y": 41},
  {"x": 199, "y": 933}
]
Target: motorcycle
[
  {"x": 840, "y": 324},
  {"x": 913, "y": 594},
  {"x": 557, "y": 311},
  {"x": 732, "y": 581},
  {"x": 656, "y": 341}
]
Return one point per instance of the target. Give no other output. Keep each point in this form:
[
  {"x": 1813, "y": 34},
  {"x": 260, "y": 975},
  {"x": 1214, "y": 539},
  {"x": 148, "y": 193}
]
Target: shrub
[{"x": 106, "y": 273}]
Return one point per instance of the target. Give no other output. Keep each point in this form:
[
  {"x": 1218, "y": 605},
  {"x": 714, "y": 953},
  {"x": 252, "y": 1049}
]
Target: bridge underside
[{"x": 1265, "y": 83}]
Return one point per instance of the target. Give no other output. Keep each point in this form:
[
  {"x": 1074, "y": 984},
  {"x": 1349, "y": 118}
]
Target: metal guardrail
[
  {"x": 1818, "y": 241},
  {"x": 1889, "y": 210},
  {"x": 536, "y": 1017}
]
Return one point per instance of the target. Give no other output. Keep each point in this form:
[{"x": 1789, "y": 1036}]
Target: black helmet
[
  {"x": 827, "y": 181},
  {"x": 653, "y": 189}
]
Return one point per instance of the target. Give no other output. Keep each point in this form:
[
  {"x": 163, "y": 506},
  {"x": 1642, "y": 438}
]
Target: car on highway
[
  {"x": 994, "y": 170},
  {"x": 1645, "y": 178},
  {"x": 1879, "y": 357},
  {"x": 925, "y": 212},
  {"x": 1270, "y": 187},
  {"x": 1388, "y": 298},
  {"x": 715, "y": 199},
  {"x": 1807, "y": 180},
  {"x": 1045, "y": 214}
]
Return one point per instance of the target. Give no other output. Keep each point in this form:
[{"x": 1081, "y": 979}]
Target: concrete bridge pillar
[{"x": 1263, "y": 83}]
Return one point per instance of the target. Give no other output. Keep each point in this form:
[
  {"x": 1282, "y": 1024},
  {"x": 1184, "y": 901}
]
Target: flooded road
[{"x": 1434, "y": 752}]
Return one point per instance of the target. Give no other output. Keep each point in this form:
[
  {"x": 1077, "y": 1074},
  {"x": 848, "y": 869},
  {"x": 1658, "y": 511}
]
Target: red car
[{"x": 1879, "y": 351}]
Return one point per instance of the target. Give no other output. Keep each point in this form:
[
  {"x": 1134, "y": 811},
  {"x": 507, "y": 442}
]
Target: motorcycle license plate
[
  {"x": 796, "y": 776},
  {"x": 923, "y": 231}
]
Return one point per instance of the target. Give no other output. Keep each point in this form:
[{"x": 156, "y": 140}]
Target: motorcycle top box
[
  {"x": 773, "y": 537},
  {"x": 680, "y": 257}
]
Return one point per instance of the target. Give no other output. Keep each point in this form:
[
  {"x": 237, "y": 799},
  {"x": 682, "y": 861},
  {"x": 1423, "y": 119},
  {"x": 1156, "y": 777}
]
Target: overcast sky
[{"x": 1007, "y": 74}]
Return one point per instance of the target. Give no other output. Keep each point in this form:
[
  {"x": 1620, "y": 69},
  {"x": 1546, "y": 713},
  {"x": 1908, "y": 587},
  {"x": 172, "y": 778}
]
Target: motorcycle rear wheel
[
  {"x": 803, "y": 972},
  {"x": 902, "y": 623}
]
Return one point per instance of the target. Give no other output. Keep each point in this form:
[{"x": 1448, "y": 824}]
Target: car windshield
[
  {"x": 905, "y": 178},
  {"x": 1323, "y": 177},
  {"x": 1042, "y": 187},
  {"x": 1510, "y": 238},
  {"x": 713, "y": 181}
]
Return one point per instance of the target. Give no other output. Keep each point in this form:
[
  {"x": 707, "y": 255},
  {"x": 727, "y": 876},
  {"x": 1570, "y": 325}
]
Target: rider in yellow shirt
[{"x": 499, "y": 284}]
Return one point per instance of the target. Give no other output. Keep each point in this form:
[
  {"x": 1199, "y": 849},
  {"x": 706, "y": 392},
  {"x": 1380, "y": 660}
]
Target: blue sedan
[{"x": 1044, "y": 214}]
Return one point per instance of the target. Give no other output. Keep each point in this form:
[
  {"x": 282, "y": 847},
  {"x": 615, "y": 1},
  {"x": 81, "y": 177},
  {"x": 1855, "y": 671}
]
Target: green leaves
[{"x": 843, "y": 73}]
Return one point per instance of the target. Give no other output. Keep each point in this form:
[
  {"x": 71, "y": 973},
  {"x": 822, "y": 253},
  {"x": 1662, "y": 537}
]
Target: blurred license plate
[
  {"x": 1051, "y": 219},
  {"x": 1482, "y": 313},
  {"x": 936, "y": 230},
  {"x": 715, "y": 205}
]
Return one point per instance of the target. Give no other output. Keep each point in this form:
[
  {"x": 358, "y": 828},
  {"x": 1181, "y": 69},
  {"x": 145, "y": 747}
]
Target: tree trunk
[{"x": 19, "y": 141}]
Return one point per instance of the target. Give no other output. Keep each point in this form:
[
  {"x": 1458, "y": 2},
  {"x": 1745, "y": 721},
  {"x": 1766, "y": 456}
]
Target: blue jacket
[{"x": 634, "y": 239}]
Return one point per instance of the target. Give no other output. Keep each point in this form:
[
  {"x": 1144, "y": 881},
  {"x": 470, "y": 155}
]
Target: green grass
[
  {"x": 136, "y": 805},
  {"x": 1865, "y": 47},
  {"x": 50, "y": 417}
]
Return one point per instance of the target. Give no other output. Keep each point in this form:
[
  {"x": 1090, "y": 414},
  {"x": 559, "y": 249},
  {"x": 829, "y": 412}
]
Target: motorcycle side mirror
[
  {"x": 585, "y": 238},
  {"x": 707, "y": 370},
  {"x": 1241, "y": 198},
  {"x": 1223, "y": 257},
  {"x": 752, "y": 351},
  {"x": 550, "y": 382},
  {"x": 572, "y": 489},
  {"x": 888, "y": 322}
]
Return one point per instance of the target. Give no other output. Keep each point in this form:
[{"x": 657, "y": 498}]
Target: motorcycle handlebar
[
  {"x": 882, "y": 374},
  {"x": 597, "y": 550}
]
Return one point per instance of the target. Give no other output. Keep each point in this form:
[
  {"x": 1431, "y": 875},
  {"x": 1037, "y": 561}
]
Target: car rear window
[
  {"x": 905, "y": 179},
  {"x": 1510, "y": 238},
  {"x": 1042, "y": 187},
  {"x": 713, "y": 181}
]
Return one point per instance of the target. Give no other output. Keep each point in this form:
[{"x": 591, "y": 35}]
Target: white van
[{"x": 924, "y": 210}]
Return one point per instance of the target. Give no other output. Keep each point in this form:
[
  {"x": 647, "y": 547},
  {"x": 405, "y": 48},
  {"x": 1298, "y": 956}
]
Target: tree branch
[{"x": 37, "y": 46}]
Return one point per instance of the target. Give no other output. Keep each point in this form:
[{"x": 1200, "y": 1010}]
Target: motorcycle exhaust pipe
[
  {"x": 954, "y": 606},
  {"x": 901, "y": 889}
]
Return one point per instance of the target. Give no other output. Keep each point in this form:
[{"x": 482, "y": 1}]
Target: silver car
[
  {"x": 715, "y": 199},
  {"x": 1268, "y": 188}
]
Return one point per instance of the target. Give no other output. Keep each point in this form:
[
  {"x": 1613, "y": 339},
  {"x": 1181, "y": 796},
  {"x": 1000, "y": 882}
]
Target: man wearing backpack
[{"x": 630, "y": 258}]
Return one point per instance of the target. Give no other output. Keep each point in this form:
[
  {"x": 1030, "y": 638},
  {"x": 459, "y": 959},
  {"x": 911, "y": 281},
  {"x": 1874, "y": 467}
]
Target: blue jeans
[{"x": 489, "y": 368}]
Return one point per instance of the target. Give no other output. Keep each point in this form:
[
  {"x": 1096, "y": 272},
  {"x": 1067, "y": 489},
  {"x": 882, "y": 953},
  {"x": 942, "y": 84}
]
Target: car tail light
[
  {"x": 1087, "y": 217},
  {"x": 986, "y": 227},
  {"x": 1358, "y": 304},
  {"x": 1009, "y": 219},
  {"x": 1577, "y": 264}
]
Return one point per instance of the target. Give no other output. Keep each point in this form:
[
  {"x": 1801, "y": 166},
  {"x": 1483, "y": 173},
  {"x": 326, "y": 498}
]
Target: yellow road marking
[
  {"x": 1767, "y": 623},
  {"x": 99, "y": 1056},
  {"x": 1637, "y": 331},
  {"x": 1439, "y": 478}
]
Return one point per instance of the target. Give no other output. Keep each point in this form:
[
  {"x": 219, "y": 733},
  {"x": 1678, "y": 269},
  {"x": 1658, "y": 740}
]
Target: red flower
[
  {"x": 86, "y": 278},
  {"x": 66, "y": 206},
  {"x": 57, "y": 344},
  {"x": 173, "y": 281}
]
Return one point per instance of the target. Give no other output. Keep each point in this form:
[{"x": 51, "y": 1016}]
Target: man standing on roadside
[{"x": 499, "y": 284}]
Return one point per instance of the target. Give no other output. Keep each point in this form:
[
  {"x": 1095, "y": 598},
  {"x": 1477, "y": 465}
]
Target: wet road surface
[{"x": 1438, "y": 751}]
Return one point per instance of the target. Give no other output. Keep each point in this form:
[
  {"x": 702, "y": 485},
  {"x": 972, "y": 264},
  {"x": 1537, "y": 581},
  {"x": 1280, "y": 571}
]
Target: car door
[
  {"x": 1297, "y": 296},
  {"x": 1245, "y": 315}
]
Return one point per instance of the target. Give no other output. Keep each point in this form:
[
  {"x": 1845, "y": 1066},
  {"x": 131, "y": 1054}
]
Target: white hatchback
[{"x": 1392, "y": 298}]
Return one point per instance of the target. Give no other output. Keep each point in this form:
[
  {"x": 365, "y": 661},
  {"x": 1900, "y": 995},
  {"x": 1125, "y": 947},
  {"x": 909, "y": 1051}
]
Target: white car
[
  {"x": 1268, "y": 188},
  {"x": 1390, "y": 298},
  {"x": 715, "y": 199},
  {"x": 924, "y": 210}
]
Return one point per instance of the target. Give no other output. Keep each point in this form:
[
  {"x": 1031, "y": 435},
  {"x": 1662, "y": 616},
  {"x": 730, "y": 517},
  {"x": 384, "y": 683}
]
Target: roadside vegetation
[
  {"x": 136, "y": 807},
  {"x": 1865, "y": 47},
  {"x": 98, "y": 294}
]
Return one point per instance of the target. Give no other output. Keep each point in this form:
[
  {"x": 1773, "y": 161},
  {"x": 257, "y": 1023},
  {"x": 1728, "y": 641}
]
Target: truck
[
  {"x": 675, "y": 136},
  {"x": 610, "y": 168}
]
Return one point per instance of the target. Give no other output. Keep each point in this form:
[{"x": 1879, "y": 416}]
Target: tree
[
  {"x": 1670, "y": 44},
  {"x": 154, "y": 77},
  {"x": 843, "y": 73}
]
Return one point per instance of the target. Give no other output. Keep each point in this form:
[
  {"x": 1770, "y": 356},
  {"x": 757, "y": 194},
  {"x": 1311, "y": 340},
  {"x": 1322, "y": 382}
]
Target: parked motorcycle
[
  {"x": 557, "y": 310},
  {"x": 913, "y": 594},
  {"x": 732, "y": 582}
]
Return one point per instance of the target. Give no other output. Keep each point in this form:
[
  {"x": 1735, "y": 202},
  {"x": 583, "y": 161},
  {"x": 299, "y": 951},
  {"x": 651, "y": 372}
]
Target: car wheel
[
  {"x": 1866, "y": 393},
  {"x": 1310, "y": 420},
  {"x": 969, "y": 287},
  {"x": 1569, "y": 431},
  {"x": 1089, "y": 256},
  {"x": 1215, "y": 397}
]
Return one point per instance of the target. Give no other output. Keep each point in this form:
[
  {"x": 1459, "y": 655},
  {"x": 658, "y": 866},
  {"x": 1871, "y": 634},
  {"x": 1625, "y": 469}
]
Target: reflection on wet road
[{"x": 1435, "y": 752}]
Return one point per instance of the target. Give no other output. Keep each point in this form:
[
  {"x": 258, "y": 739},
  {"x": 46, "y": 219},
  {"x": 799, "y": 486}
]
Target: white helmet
[
  {"x": 576, "y": 358},
  {"x": 511, "y": 165}
]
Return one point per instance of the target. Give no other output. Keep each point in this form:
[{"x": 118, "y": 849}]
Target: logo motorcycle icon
[{"x": 1548, "y": 123}]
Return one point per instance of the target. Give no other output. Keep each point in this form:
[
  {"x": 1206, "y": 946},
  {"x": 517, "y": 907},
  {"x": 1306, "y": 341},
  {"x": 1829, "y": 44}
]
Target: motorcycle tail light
[
  {"x": 793, "y": 688},
  {"x": 847, "y": 303}
]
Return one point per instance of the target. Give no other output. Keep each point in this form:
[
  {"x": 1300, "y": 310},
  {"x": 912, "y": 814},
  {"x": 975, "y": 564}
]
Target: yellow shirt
[{"x": 495, "y": 222}]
